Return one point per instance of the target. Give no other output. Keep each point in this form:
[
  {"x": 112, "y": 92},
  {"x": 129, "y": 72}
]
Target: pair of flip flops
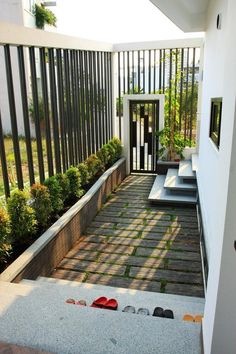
[
  {"x": 104, "y": 303},
  {"x": 141, "y": 311},
  {"x": 190, "y": 318},
  {"x": 160, "y": 312},
  {"x": 78, "y": 302}
]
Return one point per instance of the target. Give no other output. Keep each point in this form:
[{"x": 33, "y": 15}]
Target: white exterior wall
[
  {"x": 217, "y": 180},
  {"x": 16, "y": 12}
]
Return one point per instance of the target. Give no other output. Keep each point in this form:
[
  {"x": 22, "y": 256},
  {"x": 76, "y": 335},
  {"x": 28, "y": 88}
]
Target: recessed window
[{"x": 216, "y": 109}]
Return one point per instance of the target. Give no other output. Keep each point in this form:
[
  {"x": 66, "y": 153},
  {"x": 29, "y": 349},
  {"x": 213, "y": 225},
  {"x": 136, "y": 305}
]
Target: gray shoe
[
  {"x": 130, "y": 309},
  {"x": 143, "y": 311}
]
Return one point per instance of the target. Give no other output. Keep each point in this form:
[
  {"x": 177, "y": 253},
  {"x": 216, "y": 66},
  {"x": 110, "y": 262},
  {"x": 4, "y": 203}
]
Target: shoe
[
  {"x": 111, "y": 304},
  {"x": 168, "y": 313},
  {"x": 198, "y": 318},
  {"x": 158, "y": 312},
  {"x": 70, "y": 301},
  {"x": 100, "y": 302},
  {"x": 143, "y": 311},
  {"x": 81, "y": 303},
  {"x": 130, "y": 309},
  {"x": 188, "y": 317}
]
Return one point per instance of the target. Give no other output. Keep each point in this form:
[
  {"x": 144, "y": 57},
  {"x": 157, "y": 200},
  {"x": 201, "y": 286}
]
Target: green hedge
[{"x": 27, "y": 213}]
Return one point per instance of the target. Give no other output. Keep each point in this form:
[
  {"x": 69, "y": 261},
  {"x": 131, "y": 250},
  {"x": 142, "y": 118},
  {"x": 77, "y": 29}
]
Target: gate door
[{"x": 144, "y": 123}]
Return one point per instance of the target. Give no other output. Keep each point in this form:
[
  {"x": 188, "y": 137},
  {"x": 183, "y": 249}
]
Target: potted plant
[{"x": 44, "y": 16}]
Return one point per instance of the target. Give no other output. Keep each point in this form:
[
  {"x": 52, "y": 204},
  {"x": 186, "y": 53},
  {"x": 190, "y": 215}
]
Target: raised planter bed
[{"x": 50, "y": 248}]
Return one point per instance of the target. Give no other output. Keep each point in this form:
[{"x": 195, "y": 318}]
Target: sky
[{"x": 115, "y": 21}]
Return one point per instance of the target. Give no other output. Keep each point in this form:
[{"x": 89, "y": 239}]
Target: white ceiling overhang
[{"x": 188, "y": 15}]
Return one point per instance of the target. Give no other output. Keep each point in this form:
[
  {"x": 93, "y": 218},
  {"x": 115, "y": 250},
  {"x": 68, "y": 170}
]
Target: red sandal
[
  {"x": 111, "y": 304},
  {"x": 100, "y": 302}
]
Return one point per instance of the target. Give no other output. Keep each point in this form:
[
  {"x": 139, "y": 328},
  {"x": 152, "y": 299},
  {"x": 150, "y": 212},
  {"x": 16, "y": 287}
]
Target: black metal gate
[{"x": 144, "y": 123}]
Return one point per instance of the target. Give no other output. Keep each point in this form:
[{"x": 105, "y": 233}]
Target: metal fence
[
  {"x": 173, "y": 72},
  {"x": 59, "y": 104}
]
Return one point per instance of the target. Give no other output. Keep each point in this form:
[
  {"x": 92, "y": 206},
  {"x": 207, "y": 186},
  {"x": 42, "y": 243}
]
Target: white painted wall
[{"x": 216, "y": 180}]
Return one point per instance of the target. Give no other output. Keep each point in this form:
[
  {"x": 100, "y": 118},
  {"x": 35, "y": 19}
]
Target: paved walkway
[{"x": 134, "y": 244}]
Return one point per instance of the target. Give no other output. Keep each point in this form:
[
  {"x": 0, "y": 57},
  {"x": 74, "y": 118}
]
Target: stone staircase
[
  {"x": 178, "y": 186},
  {"x": 34, "y": 314}
]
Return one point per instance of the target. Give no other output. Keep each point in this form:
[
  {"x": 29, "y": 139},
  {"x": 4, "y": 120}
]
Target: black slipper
[
  {"x": 158, "y": 312},
  {"x": 168, "y": 314}
]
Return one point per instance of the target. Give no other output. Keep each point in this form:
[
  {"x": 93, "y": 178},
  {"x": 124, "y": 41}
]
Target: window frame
[{"x": 215, "y": 128}]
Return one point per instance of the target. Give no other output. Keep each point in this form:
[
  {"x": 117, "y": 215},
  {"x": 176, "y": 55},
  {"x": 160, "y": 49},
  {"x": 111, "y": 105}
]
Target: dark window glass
[{"x": 215, "y": 123}]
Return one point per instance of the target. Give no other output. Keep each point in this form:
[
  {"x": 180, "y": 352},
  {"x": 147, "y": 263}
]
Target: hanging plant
[{"x": 44, "y": 16}]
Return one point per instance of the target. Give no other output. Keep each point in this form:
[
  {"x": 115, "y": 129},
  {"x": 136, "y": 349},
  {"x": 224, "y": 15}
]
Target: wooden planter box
[{"x": 50, "y": 248}]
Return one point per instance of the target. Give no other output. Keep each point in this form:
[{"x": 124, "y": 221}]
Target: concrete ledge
[{"x": 50, "y": 248}]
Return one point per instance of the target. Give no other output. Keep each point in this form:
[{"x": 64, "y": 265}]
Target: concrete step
[
  {"x": 185, "y": 170},
  {"x": 195, "y": 162},
  {"x": 174, "y": 182},
  {"x": 160, "y": 194},
  {"x": 42, "y": 320}
]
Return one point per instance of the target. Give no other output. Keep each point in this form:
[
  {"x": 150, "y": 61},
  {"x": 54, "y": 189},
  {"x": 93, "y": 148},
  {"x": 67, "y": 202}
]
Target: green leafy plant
[
  {"x": 116, "y": 143},
  {"x": 41, "y": 203},
  {"x": 94, "y": 165},
  {"x": 5, "y": 244},
  {"x": 44, "y": 16},
  {"x": 64, "y": 184},
  {"x": 172, "y": 144},
  {"x": 175, "y": 137},
  {"x": 84, "y": 174},
  {"x": 104, "y": 155},
  {"x": 112, "y": 153},
  {"x": 73, "y": 176},
  {"x": 22, "y": 217},
  {"x": 55, "y": 192}
]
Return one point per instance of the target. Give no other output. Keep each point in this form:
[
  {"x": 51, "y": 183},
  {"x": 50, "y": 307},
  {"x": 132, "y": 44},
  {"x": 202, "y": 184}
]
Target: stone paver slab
[
  {"x": 77, "y": 265},
  {"x": 167, "y": 275},
  {"x": 89, "y": 246},
  {"x": 184, "y": 289},
  {"x": 148, "y": 252},
  {"x": 124, "y": 282}
]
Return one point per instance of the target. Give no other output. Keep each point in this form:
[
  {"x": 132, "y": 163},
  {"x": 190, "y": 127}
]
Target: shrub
[
  {"x": 104, "y": 155},
  {"x": 112, "y": 153},
  {"x": 41, "y": 203},
  {"x": 5, "y": 245},
  {"x": 55, "y": 192},
  {"x": 94, "y": 165},
  {"x": 116, "y": 143},
  {"x": 84, "y": 173},
  {"x": 73, "y": 176},
  {"x": 64, "y": 184},
  {"x": 22, "y": 217}
]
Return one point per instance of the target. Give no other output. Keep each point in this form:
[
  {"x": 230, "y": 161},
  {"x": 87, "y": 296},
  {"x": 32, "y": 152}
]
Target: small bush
[
  {"x": 104, "y": 155},
  {"x": 73, "y": 176},
  {"x": 55, "y": 192},
  {"x": 84, "y": 173},
  {"x": 94, "y": 165},
  {"x": 64, "y": 184},
  {"x": 41, "y": 203},
  {"x": 112, "y": 153},
  {"x": 5, "y": 245},
  {"x": 22, "y": 217},
  {"x": 116, "y": 143}
]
